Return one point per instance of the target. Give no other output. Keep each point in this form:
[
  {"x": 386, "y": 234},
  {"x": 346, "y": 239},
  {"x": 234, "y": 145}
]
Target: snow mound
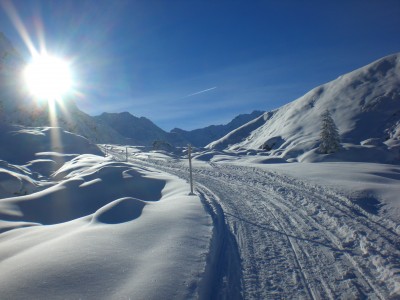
[
  {"x": 120, "y": 211},
  {"x": 44, "y": 167},
  {"x": 117, "y": 231},
  {"x": 15, "y": 180},
  {"x": 364, "y": 104},
  {"x": 84, "y": 190}
]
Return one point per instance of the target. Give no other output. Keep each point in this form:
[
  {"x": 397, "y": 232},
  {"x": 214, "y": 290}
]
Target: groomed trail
[{"x": 279, "y": 237}]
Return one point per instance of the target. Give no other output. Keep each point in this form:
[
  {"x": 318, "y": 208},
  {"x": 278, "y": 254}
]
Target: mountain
[
  {"x": 364, "y": 104},
  {"x": 142, "y": 131},
  {"x": 203, "y": 136},
  {"x": 138, "y": 131}
]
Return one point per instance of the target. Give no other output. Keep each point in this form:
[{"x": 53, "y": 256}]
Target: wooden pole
[{"x": 190, "y": 169}]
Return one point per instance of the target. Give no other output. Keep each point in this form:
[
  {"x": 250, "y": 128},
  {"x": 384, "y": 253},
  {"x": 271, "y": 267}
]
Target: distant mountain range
[
  {"x": 365, "y": 105},
  {"x": 142, "y": 131}
]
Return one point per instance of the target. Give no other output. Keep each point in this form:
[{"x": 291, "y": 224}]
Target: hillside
[{"x": 365, "y": 105}]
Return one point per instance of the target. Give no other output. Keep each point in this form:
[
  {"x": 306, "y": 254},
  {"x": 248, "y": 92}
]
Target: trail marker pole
[{"x": 190, "y": 169}]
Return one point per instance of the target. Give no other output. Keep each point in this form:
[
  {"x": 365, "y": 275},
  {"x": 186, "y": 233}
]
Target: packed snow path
[{"x": 294, "y": 239}]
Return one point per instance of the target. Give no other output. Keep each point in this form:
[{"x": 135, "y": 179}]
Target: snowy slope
[{"x": 365, "y": 105}]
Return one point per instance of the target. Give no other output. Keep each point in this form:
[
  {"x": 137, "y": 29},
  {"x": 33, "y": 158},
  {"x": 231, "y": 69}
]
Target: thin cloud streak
[{"x": 203, "y": 91}]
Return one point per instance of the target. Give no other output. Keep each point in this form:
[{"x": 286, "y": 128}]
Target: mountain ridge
[{"x": 203, "y": 136}]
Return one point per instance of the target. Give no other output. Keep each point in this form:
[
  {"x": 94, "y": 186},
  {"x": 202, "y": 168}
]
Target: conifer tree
[{"x": 330, "y": 140}]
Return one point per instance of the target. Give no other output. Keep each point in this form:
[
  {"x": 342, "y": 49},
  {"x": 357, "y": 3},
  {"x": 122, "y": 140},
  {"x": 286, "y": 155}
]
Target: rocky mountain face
[{"x": 365, "y": 105}]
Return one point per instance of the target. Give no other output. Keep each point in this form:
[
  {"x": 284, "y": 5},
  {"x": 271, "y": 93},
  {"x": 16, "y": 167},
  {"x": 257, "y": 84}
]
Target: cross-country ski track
[{"x": 279, "y": 237}]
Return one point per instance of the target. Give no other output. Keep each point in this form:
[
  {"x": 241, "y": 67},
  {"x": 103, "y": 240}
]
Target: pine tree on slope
[{"x": 330, "y": 140}]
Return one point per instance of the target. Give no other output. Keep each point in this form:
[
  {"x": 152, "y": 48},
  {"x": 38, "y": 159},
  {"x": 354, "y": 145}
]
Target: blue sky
[{"x": 190, "y": 64}]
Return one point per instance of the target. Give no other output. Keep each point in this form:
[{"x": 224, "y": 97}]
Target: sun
[{"x": 48, "y": 77}]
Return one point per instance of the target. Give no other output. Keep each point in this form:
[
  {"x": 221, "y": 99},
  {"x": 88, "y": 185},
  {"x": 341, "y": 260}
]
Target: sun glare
[{"x": 48, "y": 77}]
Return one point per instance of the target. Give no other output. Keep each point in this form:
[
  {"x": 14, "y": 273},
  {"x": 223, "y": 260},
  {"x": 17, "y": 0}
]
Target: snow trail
[{"x": 296, "y": 239}]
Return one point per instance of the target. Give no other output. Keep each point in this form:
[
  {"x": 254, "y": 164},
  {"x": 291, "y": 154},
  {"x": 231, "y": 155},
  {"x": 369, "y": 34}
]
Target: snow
[
  {"x": 375, "y": 187},
  {"x": 98, "y": 228},
  {"x": 299, "y": 230},
  {"x": 26, "y": 145}
]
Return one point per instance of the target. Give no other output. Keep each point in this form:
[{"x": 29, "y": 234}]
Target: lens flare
[{"x": 48, "y": 77}]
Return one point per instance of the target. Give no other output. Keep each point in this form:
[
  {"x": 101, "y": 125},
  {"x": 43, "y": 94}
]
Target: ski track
[{"x": 296, "y": 239}]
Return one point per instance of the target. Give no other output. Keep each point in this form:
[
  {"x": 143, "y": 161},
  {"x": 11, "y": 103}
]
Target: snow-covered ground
[
  {"x": 96, "y": 228},
  {"x": 76, "y": 225},
  {"x": 313, "y": 231}
]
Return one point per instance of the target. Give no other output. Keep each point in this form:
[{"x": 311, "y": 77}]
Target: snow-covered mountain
[
  {"x": 365, "y": 105},
  {"x": 203, "y": 136}
]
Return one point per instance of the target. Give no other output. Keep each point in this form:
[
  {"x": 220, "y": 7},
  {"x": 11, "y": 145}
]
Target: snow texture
[
  {"x": 95, "y": 228},
  {"x": 299, "y": 231}
]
